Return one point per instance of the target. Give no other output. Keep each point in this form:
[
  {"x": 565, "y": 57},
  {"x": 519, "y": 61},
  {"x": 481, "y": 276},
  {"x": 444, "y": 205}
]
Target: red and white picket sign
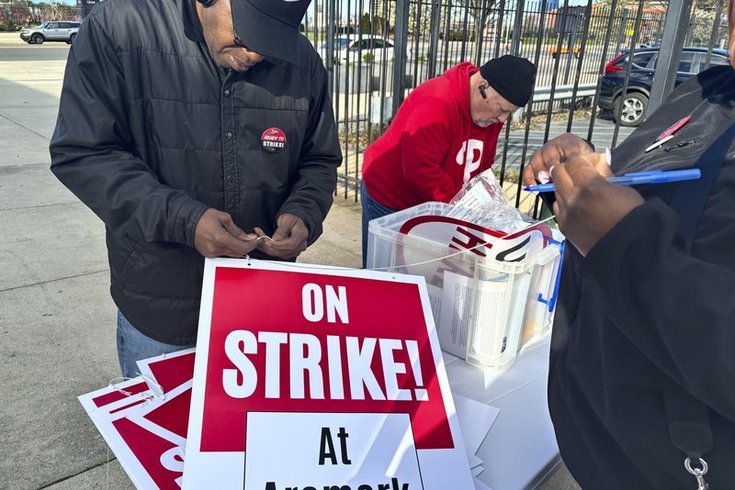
[
  {"x": 308, "y": 376},
  {"x": 144, "y": 428}
]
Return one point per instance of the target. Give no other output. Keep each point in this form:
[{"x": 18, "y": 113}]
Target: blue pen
[{"x": 636, "y": 178}]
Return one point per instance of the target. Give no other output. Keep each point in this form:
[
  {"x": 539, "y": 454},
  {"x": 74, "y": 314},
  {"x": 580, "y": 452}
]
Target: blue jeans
[
  {"x": 133, "y": 346},
  {"x": 371, "y": 209}
]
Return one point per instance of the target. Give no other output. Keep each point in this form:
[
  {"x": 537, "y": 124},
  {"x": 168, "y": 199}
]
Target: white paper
[
  {"x": 452, "y": 322},
  {"x": 481, "y": 486},
  {"x": 492, "y": 298},
  {"x": 475, "y": 421},
  {"x": 435, "y": 299},
  {"x": 450, "y": 358}
]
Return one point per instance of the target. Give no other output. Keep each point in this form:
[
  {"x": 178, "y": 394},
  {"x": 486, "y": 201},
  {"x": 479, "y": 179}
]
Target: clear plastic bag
[{"x": 482, "y": 201}]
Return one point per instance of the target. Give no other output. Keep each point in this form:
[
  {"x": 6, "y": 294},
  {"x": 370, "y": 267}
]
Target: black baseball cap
[{"x": 270, "y": 27}]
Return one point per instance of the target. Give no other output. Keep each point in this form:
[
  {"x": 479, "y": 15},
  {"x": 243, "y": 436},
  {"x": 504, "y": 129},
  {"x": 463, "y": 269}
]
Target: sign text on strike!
[{"x": 306, "y": 352}]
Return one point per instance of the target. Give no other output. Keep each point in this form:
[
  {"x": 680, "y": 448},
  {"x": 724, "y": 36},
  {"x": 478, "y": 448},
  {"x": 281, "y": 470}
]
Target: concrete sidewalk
[{"x": 57, "y": 321}]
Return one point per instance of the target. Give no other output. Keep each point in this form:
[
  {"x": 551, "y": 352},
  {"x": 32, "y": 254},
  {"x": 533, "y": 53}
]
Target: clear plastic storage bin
[{"x": 484, "y": 309}]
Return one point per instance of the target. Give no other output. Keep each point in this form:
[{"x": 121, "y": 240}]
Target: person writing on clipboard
[{"x": 642, "y": 365}]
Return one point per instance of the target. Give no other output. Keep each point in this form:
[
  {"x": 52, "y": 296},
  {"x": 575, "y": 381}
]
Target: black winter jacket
[
  {"x": 151, "y": 133},
  {"x": 642, "y": 309}
]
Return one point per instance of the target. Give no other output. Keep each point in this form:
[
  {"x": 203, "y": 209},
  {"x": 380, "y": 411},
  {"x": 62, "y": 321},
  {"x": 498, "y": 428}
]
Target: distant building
[{"x": 569, "y": 20}]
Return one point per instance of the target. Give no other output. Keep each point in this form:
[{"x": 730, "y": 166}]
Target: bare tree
[
  {"x": 702, "y": 20},
  {"x": 480, "y": 11}
]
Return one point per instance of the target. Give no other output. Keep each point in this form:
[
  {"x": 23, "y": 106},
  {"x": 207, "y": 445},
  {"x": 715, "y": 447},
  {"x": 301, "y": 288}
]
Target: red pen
[
  {"x": 675, "y": 127},
  {"x": 669, "y": 132}
]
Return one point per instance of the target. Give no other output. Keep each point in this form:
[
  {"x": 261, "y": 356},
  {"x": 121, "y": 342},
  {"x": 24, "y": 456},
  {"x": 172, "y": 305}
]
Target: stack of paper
[{"x": 475, "y": 421}]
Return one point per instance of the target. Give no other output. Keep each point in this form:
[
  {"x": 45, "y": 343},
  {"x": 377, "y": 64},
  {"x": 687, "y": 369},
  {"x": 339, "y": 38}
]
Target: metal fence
[
  {"x": 377, "y": 51},
  {"x": 382, "y": 49}
]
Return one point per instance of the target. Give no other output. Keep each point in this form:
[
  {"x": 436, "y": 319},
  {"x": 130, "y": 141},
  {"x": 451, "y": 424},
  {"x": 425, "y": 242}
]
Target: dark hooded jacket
[
  {"x": 647, "y": 308},
  {"x": 151, "y": 133}
]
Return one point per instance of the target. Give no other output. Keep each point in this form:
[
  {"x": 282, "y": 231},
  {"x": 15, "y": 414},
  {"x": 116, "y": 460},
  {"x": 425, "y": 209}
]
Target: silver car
[
  {"x": 360, "y": 48},
  {"x": 51, "y": 30}
]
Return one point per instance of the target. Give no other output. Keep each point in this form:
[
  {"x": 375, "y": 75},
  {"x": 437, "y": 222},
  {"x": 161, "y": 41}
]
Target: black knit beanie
[{"x": 512, "y": 77}]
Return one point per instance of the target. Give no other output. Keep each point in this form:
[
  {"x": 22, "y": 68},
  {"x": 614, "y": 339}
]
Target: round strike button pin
[{"x": 273, "y": 140}]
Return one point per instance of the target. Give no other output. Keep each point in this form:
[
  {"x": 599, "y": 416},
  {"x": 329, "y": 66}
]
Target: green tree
[
  {"x": 365, "y": 24},
  {"x": 376, "y": 24}
]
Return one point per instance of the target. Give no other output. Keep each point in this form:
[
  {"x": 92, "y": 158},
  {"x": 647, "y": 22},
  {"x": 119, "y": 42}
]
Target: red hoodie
[{"x": 423, "y": 155}]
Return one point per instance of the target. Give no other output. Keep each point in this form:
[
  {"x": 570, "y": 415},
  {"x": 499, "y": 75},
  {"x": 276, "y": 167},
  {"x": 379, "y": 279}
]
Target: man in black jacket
[
  {"x": 642, "y": 369},
  {"x": 192, "y": 128}
]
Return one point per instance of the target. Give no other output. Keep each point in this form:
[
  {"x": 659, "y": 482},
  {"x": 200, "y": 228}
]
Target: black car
[{"x": 635, "y": 102}]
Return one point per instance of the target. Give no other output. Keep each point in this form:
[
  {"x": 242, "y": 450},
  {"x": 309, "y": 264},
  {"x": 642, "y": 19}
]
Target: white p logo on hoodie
[{"x": 466, "y": 156}]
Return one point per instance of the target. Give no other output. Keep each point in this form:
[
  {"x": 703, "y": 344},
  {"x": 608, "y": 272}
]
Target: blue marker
[{"x": 636, "y": 178}]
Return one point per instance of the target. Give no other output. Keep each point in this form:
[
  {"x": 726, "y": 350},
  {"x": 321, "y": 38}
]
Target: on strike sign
[{"x": 310, "y": 378}]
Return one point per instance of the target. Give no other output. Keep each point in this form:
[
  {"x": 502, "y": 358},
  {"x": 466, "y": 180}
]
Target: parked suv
[
  {"x": 52, "y": 30},
  {"x": 635, "y": 102}
]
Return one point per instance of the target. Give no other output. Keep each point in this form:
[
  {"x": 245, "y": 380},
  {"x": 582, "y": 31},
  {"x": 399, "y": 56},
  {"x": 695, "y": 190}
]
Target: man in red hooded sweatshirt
[{"x": 445, "y": 133}]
